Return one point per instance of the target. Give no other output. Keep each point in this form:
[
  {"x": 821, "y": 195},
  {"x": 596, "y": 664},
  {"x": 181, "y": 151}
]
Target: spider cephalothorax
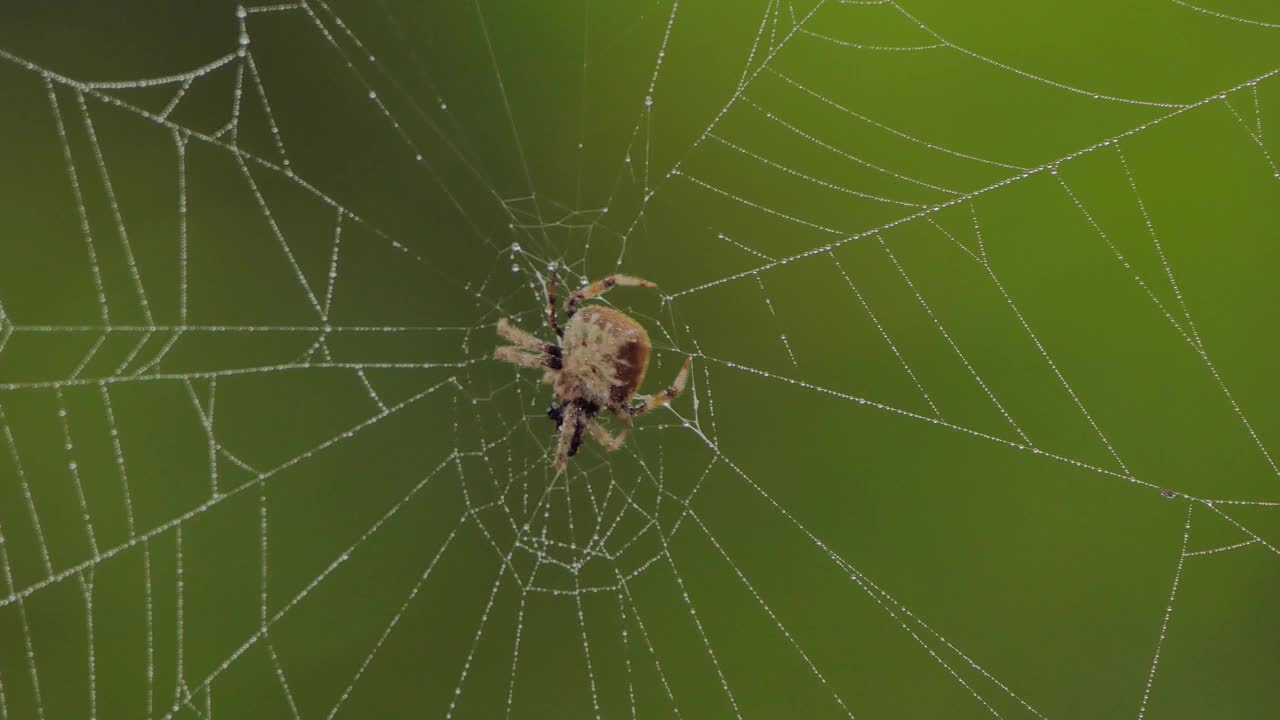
[{"x": 597, "y": 365}]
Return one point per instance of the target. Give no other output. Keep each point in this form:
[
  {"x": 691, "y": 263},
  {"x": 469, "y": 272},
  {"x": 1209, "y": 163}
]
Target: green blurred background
[{"x": 967, "y": 285}]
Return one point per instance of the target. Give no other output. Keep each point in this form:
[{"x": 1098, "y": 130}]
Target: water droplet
[
  {"x": 515, "y": 268},
  {"x": 244, "y": 38},
  {"x": 373, "y": 95},
  {"x": 241, "y": 12},
  {"x": 240, "y": 52},
  {"x": 515, "y": 247},
  {"x": 648, "y": 101},
  {"x": 418, "y": 157},
  {"x": 444, "y": 105}
]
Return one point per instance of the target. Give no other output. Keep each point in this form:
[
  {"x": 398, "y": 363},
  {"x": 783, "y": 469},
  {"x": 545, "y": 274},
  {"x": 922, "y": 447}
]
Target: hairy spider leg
[
  {"x": 666, "y": 396},
  {"x": 570, "y": 429},
  {"x": 515, "y": 355},
  {"x": 602, "y": 436},
  {"x": 525, "y": 341},
  {"x": 602, "y": 286},
  {"x": 551, "y": 304}
]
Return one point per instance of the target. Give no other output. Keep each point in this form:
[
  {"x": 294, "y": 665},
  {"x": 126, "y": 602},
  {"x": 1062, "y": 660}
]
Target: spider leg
[
  {"x": 550, "y": 354},
  {"x": 518, "y": 356},
  {"x": 602, "y": 286},
  {"x": 666, "y": 396},
  {"x": 570, "y": 430},
  {"x": 520, "y": 337},
  {"x": 551, "y": 304},
  {"x": 602, "y": 436}
]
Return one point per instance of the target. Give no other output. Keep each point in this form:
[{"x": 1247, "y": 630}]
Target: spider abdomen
[{"x": 606, "y": 354}]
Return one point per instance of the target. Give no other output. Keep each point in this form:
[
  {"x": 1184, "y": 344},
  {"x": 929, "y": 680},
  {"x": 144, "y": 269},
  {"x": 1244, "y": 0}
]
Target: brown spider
[{"x": 597, "y": 366}]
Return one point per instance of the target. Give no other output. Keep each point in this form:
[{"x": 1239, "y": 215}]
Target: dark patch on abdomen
[{"x": 629, "y": 371}]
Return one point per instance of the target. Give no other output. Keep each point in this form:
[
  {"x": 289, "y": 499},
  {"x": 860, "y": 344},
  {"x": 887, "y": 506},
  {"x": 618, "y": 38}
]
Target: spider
[{"x": 597, "y": 366}]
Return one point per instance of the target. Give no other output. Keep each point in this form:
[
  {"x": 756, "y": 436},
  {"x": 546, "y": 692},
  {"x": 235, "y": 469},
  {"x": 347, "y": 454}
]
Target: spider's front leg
[
  {"x": 548, "y": 355},
  {"x": 524, "y": 339},
  {"x": 570, "y": 435},
  {"x": 516, "y": 356},
  {"x": 602, "y": 286},
  {"x": 551, "y": 304}
]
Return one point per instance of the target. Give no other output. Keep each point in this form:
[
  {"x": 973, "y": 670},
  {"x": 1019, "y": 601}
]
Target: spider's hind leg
[
  {"x": 602, "y": 436},
  {"x": 666, "y": 396}
]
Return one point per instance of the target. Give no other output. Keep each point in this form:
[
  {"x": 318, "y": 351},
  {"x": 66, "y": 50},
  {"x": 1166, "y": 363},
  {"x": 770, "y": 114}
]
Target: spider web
[{"x": 981, "y": 419}]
